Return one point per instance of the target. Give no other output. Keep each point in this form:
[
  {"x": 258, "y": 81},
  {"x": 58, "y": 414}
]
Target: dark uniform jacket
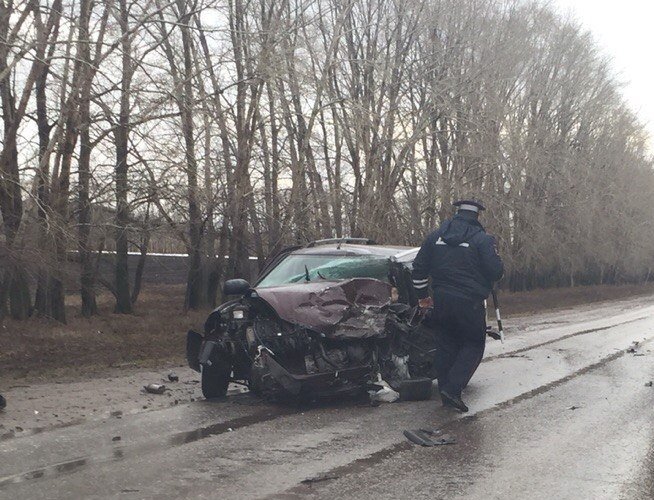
[{"x": 460, "y": 258}]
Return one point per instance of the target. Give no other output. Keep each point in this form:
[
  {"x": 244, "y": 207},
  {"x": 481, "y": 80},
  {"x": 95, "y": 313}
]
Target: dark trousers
[{"x": 461, "y": 335}]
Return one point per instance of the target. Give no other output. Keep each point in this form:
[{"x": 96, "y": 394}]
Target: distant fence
[{"x": 160, "y": 268}]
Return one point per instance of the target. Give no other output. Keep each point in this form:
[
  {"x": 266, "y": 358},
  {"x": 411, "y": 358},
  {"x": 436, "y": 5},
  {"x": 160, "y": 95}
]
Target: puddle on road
[
  {"x": 11, "y": 434},
  {"x": 228, "y": 426},
  {"x": 121, "y": 452},
  {"x": 559, "y": 339},
  {"x": 384, "y": 454},
  {"x": 48, "y": 471}
]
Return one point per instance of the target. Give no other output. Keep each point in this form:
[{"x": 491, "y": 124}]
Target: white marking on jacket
[{"x": 439, "y": 241}]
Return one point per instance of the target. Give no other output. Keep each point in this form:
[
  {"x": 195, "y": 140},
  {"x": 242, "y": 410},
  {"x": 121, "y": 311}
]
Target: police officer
[{"x": 462, "y": 262}]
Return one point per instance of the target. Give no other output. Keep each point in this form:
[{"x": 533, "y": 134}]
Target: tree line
[{"x": 236, "y": 127}]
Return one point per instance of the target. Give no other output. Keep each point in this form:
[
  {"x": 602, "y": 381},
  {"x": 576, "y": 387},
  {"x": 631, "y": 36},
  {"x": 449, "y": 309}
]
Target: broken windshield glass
[{"x": 298, "y": 268}]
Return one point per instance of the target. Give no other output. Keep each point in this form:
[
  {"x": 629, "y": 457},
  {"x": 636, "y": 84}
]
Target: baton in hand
[{"x": 496, "y": 304}]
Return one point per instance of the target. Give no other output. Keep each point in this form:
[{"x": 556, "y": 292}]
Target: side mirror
[{"x": 236, "y": 287}]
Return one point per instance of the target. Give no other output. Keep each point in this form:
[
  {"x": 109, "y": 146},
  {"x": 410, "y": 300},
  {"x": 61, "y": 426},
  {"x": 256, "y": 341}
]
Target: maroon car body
[{"x": 324, "y": 319}]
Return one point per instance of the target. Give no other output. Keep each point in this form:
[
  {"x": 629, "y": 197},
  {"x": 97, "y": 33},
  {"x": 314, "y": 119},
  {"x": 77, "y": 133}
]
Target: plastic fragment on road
[
  {"x": 385, "y": 394},
  {"x": 428, "y": 437},
  {"x": 155, "y": 388}
]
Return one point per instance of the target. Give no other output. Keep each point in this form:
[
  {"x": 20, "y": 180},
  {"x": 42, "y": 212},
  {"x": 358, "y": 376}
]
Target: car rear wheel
[{"x": 215, "y": 378}]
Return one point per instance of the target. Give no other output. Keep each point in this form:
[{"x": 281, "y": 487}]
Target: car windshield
[{"x": 294, "y": 268}]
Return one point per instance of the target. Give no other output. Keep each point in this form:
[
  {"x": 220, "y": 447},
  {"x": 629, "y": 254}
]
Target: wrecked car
[{"x": 333, "y": 317}]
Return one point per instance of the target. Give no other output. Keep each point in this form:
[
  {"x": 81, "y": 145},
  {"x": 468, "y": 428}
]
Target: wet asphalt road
[{"x": 561, "y": 410}]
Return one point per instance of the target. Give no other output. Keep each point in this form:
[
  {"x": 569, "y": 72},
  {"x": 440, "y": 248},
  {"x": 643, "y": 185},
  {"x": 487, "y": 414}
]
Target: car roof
[{"x": 397, "y": 251}]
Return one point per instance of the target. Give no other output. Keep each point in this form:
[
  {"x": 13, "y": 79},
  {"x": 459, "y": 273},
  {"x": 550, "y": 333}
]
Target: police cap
[{"x": 471, "y": 205}]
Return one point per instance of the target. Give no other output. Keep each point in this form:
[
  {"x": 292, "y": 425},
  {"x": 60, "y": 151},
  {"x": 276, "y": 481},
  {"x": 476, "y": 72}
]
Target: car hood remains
[{"x": 356, "y": 308}]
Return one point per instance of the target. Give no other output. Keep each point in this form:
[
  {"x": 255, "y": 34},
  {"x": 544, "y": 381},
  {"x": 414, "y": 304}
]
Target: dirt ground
[{"x": 154, "y": 336}]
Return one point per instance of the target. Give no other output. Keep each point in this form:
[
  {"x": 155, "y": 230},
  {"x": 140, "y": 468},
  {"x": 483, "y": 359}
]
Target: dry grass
[
  {"x": 156, "y": 333},
  {"x": 556, "y": 298}
]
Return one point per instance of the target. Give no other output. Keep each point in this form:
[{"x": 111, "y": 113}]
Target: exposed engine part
[{"x": 281, "y": 340}]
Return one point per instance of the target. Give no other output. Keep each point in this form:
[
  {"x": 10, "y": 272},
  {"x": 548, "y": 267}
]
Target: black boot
[{"x": 453, "y": 401}]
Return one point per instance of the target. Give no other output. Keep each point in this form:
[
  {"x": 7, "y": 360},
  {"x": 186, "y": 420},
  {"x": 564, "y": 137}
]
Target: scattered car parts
[{"x": 155, "y": 388}]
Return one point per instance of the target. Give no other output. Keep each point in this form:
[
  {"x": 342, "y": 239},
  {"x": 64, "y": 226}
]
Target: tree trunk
[
  {"x": 87, "y": 268},
  {"x": 123, "y": 297}
]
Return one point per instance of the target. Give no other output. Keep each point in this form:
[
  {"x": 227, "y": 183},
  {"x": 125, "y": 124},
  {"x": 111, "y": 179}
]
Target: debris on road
[
  {"x": 155, "y": 388},
  {"x": 428, "y": 437},
  {"x": 574, "y": 407},
  {"x": 173, "y": 377},
  {"x": 416, "y": 389},
  {"x": 116, "y": 438},
  {"x": 633, "y": 348},
  {"x": 3, "y": 402},
  {"x": 649, "y": 384},
  {"x": 384, "y": 393}
]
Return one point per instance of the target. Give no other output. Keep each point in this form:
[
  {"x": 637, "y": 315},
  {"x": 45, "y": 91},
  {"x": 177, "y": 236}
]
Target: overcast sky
[{"x": 624, "y": 30}]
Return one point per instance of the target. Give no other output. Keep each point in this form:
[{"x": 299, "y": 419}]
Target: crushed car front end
[{"x": 321, "y": 333}]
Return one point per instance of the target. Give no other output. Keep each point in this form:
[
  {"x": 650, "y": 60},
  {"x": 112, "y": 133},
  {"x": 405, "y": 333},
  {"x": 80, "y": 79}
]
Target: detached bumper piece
[{"x": 318, "y": 384}]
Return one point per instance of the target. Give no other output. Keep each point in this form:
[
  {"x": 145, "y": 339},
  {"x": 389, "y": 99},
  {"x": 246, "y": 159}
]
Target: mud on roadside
[{"x": 33, "y": 408}]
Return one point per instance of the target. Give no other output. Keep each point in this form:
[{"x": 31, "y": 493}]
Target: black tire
[{"x": 215, "y": 378}]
